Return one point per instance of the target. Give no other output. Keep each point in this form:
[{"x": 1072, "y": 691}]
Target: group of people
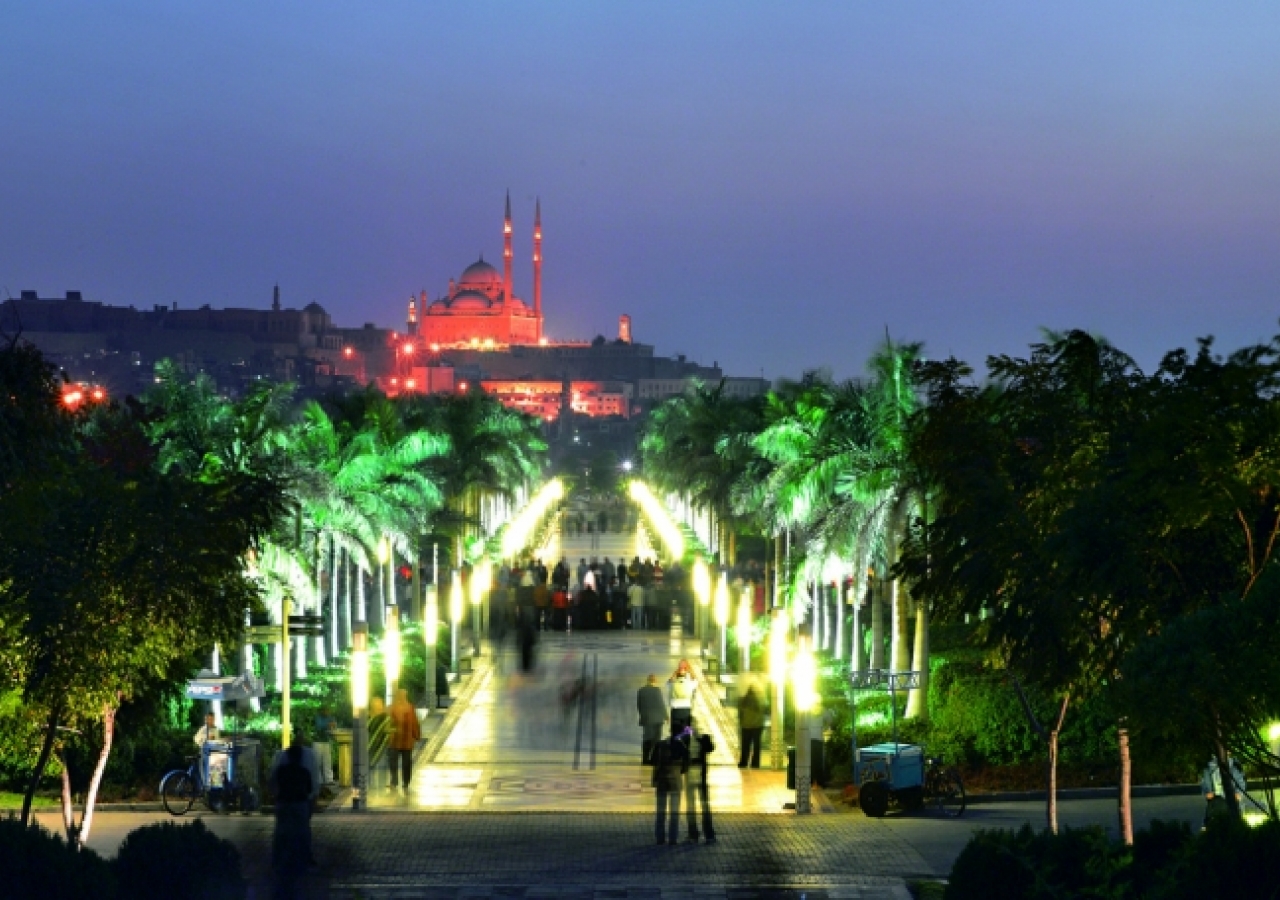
[
  {"x": 678, "y": 760},
  {"x": 594, "y": 595}
]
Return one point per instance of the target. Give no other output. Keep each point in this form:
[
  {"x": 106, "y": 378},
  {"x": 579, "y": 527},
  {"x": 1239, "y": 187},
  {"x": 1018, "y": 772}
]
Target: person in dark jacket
[
  {"x": 652, "y": 707},
  {"x": 751, "y": 723},
  {"x": 670, "y": 764},
  {"x": 695, "y": 786}
]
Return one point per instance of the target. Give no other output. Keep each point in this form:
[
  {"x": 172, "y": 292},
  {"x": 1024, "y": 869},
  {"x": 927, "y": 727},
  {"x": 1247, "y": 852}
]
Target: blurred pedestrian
[
  {"x": 696, "y": 792},
  {"x": 405, "y": 733},
  {"x": 653, "y": 715},
  {"x": 294, "y": 785},
  {"x": 751, "y": 723},
  {"x": 682, "y": 688},
  {"x": 670, "y": 764}
]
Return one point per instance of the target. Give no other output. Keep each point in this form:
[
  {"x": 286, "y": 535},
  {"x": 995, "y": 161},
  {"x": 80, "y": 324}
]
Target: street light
[
  {"x": 479, "y": 587},
  {"x": 744, "y": 629},
  {"x": 778, "y": 636},
  {"x": 359, "y": 714},
  {"x": 702, "y": 589},
  {"x": 391, "y": 651},
  {"x": 455, "y": 613},
  {"x": 430, "y": 631},
  {"x": 804, "y": 678},
  {"x": 722, "y": 618}
]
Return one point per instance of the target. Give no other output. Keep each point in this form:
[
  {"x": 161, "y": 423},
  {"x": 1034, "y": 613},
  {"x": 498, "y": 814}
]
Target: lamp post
[
  {"x": 778, "y": 635},
  {"x": 286, "y": 607},
  {"x": 722, "y": 618},
  {"x": 702, "y": 588},
  {"x": 430, "y": 630},
  {"x": 391, "y": 652},
  {"x": 744, "y": 630},
  {"x": 479, "y": 587},
  {"x": 455, "y": 613},
  {"x": 360, "y": 716},
  {"x": 804, "y": 690}
]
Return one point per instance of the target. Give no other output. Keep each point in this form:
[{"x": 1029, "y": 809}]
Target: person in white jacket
[{"x": 682, "y": 689}]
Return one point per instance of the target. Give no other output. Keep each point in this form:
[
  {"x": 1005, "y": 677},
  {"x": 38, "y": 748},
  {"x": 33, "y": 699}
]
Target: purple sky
[{"x": 766, "y": 185}]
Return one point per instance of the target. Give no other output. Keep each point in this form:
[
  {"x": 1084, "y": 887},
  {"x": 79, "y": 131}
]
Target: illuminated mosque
[{"x": 481, "y": 307}]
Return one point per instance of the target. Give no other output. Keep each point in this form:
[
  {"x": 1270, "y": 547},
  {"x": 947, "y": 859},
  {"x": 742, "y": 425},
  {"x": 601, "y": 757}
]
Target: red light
[
  {"x": 462, "y": 386},
  {"x": 406, "y": 348},
  {"x": 72, "y": 398},
  {"x": 99, "y": 394},
  {"x": 410, "y": 384},
  {"x": 348, "y": 352},
  {"x": 395, "y": 380}
]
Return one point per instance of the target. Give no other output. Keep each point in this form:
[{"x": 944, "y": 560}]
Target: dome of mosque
[
  {"x": 480, "y": 274},
  {"x": 469, "y": 299}
]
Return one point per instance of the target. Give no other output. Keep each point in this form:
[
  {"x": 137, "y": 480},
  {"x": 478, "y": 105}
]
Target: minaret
[
  {"x": 537, "y": 264},
  {"x": 506, "y": 252},
  {"x": 411, "y": 326}
]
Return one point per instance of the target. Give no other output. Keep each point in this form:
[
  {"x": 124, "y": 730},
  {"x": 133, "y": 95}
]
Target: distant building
[
  {"x": 481, "y": 308},
  {"x": 477, "y": 334}
]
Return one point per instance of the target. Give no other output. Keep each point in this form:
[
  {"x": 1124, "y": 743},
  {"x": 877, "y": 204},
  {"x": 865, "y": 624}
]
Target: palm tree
[
  {"x": 496, "y": 454},
  {"x": 698, "y": 446}
]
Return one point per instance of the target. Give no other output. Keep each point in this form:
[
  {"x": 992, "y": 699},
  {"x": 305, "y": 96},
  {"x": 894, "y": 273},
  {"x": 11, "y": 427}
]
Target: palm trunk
[
  {"x": 838, "y": 597},
  {"x": 362, "y": 606},
  {"x": 877, "y": 624},
  {"x": 376, "y": 609},
  {"x": 346, "y": 600},
  {"x": 856, "y": 662},
  {"x": 334, "y": 616},
  {"x": 918, "y": 700},
  {"x": 777, "y": 570}
]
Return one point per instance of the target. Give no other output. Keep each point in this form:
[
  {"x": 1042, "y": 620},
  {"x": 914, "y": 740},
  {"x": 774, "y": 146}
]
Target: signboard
[{"x": 263, "y": 634}]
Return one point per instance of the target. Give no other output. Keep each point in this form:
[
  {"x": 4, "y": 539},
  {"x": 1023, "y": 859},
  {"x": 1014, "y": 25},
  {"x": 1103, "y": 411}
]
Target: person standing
[
  {"x": 751, "y": 723},
  {"x": 405, "y": 733},
  {"x": 670, "y": 763},
  {"x": 324, "y": 725},
  {"x": 695, "y": 787},
  {"x": 1211, "y": 785},
  {"x": 294, "y": 785},
  {"x": 653, "y": 715},
  {"x": 635, "y": 599},
  {"x": 215, "y": 773},
  {"x": 682, "y": 688}
]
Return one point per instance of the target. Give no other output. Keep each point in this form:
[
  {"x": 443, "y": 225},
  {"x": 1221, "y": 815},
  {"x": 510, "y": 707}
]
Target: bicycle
[
  {"x": 181, "y": 788},
  {"x": 944, "y": 788}
]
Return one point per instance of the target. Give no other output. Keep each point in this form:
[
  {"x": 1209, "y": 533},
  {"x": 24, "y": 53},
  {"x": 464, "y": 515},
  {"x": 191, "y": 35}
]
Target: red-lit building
[
  {"x": 481, "y": 308},
  {"x": 547, "y": 399}
]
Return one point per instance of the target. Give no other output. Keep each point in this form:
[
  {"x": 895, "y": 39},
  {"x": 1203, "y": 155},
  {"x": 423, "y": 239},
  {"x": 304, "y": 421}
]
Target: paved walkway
[{"x": 566, "y": 738}]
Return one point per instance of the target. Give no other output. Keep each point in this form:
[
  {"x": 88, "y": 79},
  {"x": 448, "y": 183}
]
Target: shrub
[
  {"x": 1227, "y": 861},
  {"x": 191, "y": 861},
  {"x": 1030, "y": 865},
  {"x": 39, "y": 865}
]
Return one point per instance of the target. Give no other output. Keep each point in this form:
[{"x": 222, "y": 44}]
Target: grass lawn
[{"x": 10, "y": 800}]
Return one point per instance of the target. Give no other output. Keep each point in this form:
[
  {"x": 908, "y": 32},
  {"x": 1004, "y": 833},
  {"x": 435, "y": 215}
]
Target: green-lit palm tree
[
  {"x": 496, "y": 454},
  {"x": 698, "y": 447}
]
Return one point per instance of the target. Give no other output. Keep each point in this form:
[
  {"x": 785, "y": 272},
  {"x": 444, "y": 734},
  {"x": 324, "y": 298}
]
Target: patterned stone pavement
[
  {"x": 565, "y": 737},
  {"x": 528, "y": 855}
]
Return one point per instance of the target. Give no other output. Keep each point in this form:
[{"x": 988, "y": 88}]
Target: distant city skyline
[{"x": 765, "y": 187}]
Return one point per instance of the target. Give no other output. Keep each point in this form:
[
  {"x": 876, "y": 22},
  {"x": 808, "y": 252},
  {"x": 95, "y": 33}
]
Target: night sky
[{"x": 769, "y": 186}]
